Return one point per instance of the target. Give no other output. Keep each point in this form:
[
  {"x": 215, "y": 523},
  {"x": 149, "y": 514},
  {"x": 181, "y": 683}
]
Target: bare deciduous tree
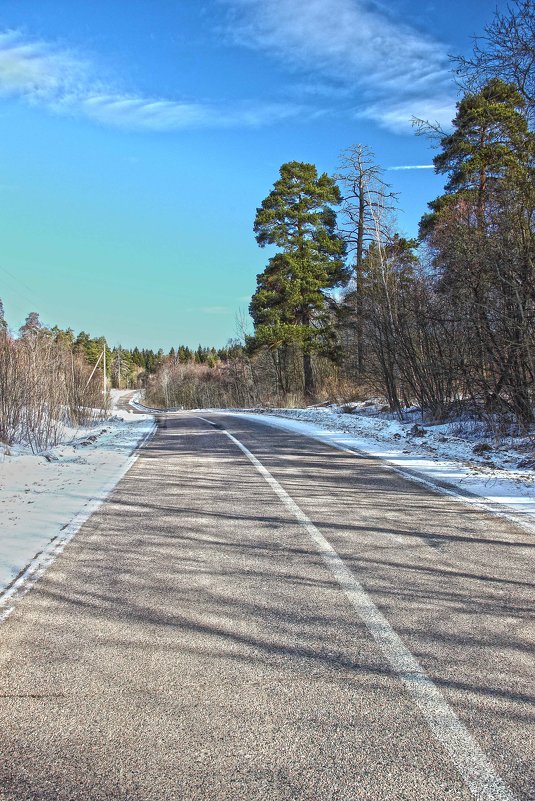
[{"x": 367, "y": 202}]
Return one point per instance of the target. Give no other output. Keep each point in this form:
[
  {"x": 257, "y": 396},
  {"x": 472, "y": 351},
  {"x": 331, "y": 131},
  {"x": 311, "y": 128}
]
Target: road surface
[{"x": 253, "y": 615}]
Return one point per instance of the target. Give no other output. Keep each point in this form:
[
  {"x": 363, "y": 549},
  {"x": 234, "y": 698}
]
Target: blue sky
[{"x": 139, "y": 137}]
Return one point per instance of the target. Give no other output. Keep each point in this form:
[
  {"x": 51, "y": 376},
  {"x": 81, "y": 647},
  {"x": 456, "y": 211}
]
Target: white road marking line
[
  {"x": 214, "y": 425},
  {"x": 387, "y": 464},
  {"x": 387, "y": 534},
  {"x": 467, "y": 756},
  {"x": 42, "y": 561},
  {"x": 473, "y": 502}
]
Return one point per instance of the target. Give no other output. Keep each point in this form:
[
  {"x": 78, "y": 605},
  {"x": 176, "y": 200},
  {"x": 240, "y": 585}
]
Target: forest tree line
[{"x": 347, "y": 305}]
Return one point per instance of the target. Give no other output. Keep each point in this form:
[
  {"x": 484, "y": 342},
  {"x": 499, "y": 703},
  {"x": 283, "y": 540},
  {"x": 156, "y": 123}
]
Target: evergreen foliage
[
  {"x": 289, "y": 306},
  {"x": 3, "y": 322},
  {"x": 490, "y": 149},
  {"x": 32, "y": 325}
]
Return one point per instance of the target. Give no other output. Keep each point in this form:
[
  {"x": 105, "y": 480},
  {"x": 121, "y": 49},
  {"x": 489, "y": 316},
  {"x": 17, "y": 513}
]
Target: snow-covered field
[
  {"x": 456, "y": 457},
  {"x": 45, "y": 497}
]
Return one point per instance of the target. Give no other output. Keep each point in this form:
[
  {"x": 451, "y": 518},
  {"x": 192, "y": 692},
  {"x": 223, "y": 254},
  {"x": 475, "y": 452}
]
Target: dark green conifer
[{"x": 289, "y": 305}]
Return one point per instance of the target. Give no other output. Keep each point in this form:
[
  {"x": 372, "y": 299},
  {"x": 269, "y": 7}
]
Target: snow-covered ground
[
  {"x": 45, "y": 497},
  {"x": 501, "y": 475}
]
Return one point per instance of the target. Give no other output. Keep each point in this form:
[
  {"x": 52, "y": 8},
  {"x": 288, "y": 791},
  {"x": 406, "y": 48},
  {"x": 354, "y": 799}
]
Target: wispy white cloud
[
  {"x": 215, "y": 310},
  {"x": 129, "y": 111},
  {"x": 34, "y": 69},
  {"x": 64, "y": 82},
  {"x": 399, "y": 72},
  {"x": 396, "y": 113},
  {"x": 412, "y": 167}
]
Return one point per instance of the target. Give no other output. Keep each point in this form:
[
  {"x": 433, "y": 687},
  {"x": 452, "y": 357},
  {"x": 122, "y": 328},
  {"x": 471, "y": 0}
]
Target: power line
[{"x": 35, "y": 301}]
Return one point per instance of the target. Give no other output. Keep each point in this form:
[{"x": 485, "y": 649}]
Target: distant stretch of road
[{"x": 255, "y": 616}]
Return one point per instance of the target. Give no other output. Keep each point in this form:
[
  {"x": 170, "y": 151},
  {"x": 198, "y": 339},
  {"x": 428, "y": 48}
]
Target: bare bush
[
  {"x": 44, "y": 387},
  {"x": 269, "y": 377}
]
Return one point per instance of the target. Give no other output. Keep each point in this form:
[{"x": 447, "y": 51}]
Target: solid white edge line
[
  {"x": 473, "y": 765},
  {"x": 42, "y": 561},
  {"x": 473, "y": 501}
]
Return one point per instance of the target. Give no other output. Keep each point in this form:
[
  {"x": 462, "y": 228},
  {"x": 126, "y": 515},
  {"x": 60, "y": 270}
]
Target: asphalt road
[{"x": 259, "y": 616}]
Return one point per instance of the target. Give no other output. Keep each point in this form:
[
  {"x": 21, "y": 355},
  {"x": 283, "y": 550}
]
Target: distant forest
[{"x": 126, "y": 368}]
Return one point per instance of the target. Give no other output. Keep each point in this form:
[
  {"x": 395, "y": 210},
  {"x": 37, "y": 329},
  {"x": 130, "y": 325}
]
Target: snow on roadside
[
  {"x": 41, "y": 494},
  {"x": 430, "y": 452}
]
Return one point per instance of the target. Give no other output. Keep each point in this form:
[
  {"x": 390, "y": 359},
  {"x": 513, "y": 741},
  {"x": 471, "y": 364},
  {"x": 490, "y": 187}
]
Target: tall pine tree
[
  {"x": 490, "y": 148},
  {"x": 289, "y": 305},
  {"x": 482, "y": 237}
]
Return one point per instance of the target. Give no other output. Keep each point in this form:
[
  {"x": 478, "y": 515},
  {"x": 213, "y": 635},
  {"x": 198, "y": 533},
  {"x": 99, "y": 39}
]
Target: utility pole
[
  {"x": 93, "y": 370},
  {"x": 105, "y": 380}
]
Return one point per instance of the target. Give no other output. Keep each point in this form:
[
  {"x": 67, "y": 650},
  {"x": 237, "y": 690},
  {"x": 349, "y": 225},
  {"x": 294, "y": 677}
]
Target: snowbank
[
  {"x": 426, "y": 453},
  {"x": 40, "y": 495}
]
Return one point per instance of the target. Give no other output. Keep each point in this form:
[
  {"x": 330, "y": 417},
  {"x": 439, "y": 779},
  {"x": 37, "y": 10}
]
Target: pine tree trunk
[{"x": 308, "y": 376}]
